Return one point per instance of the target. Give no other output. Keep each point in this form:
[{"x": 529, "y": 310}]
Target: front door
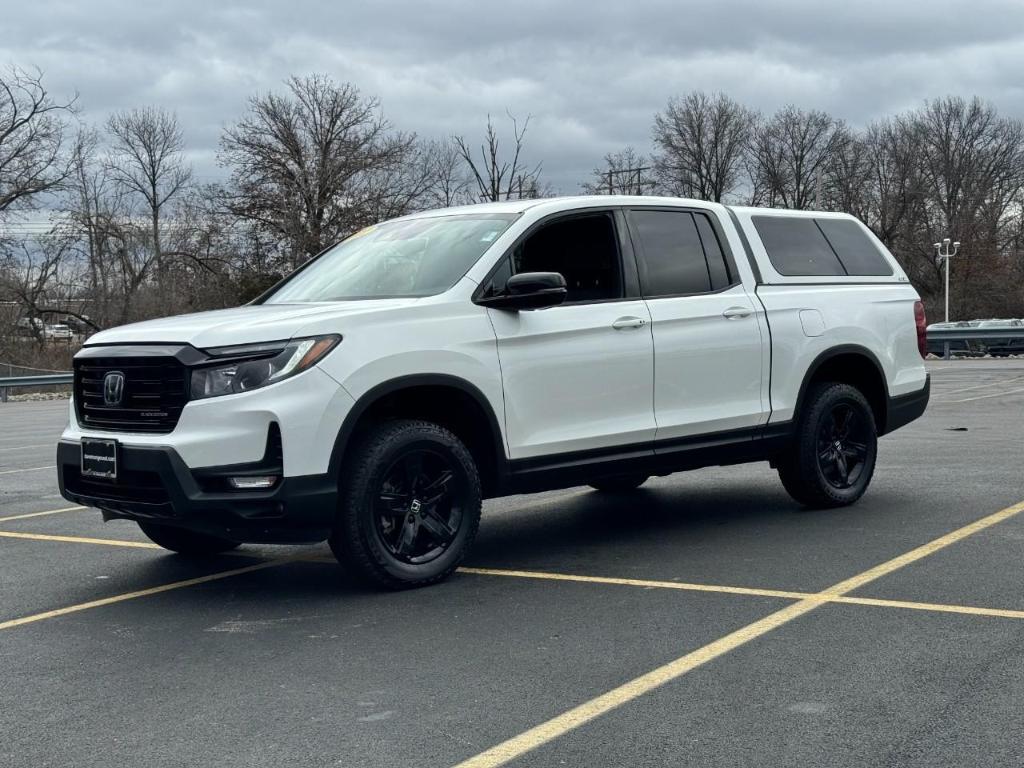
[{"x": 578, "y": 376}]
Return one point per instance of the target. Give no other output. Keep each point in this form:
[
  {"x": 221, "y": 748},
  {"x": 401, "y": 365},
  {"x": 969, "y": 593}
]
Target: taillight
[{"x": 922, "y": 328}]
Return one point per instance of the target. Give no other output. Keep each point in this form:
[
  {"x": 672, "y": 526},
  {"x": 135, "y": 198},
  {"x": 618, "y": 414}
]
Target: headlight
[{"x": 251, "y": 366}]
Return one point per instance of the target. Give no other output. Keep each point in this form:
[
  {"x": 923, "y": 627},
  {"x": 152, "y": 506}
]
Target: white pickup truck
[{"x": 375, "y": 396}]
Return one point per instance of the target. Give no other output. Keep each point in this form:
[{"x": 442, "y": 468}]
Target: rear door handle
[
  {"x": 628, "y": 322},
  {"x": 734, "y": 313}
]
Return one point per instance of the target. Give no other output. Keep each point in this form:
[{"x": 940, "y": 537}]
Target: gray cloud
[{"x": 592, "y": 74}]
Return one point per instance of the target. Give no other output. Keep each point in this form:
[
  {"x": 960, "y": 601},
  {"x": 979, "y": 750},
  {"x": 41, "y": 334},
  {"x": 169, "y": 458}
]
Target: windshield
[{"x": 396, "y": 259}]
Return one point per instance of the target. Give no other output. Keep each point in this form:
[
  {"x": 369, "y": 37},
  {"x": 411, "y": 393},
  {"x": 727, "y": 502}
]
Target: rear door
[
  {"x": 578, "y": 376},
  {"x": 707, "y": 339}
]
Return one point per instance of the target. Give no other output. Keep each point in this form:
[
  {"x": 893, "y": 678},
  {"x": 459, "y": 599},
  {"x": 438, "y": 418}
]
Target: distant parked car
[
  {"x": 58, "y": 331},
  {"x": 77, "y": 326}
]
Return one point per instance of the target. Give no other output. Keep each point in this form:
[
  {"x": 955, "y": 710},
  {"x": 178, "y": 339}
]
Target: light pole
[{"x": 942, "y": 252}]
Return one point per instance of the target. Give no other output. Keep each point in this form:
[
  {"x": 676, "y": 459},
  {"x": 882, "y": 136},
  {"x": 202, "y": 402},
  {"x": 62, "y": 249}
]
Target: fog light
[{"x": 252, "y": 483}]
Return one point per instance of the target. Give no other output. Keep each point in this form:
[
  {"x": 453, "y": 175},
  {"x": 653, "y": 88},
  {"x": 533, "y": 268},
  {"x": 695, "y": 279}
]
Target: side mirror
[{"x": 529, "y": 290}]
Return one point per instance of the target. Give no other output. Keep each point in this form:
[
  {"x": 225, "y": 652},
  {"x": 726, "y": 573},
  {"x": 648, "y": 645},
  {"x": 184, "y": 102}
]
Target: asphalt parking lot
[{"x": 703, "y": 620}]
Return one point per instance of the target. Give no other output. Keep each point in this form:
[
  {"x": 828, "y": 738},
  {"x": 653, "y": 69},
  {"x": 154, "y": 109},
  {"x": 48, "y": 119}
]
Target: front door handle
[
  {"x": 734, "y": 313},
  {"x": 628, "y": 322}
]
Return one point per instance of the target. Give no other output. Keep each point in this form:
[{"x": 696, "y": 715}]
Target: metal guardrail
[
  {"x": 971, "y": 340},
  {"x": 12, "y": 382}
]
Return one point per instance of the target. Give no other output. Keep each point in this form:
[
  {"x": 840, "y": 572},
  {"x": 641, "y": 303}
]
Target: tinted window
[
  {"x": 796, "y": 246},
  {"x": 583, "y": 249},
  {"x": 854, "y": 248},
  {"x": 671, "y": 257},
  {"x": 717, "y": 267}
]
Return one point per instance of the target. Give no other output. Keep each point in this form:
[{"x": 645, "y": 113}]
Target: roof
[
  {"x": 554, "y": 204},
  {"x": 557, "y": 203}
]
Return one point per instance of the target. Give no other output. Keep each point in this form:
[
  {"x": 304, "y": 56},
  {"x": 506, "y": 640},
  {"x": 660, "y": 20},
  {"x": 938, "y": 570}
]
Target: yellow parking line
[
  {"x": 40, "y": 514},
  {"x": 969, "y": 610},
  {"x": 77, "y": 539},
  {"x": 587, "y": 711},
  {"x": 30, "y": 469},
  {"x": 985, "y": 397},
  {"x": 141, "y": 593},
  {"x": 549, "y": 576},
  {"x": 681, "y": 585}
]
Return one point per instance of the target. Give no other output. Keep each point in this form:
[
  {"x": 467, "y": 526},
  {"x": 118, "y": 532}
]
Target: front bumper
[{"x": 154, "y": 484}]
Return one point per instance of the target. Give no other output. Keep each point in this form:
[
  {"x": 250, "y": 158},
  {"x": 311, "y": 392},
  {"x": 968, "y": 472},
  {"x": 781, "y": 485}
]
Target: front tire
[
  {"x": 833, "y": 457},
  {"x": 409, "y": 505},
  {"x": 186, "y": 542}
]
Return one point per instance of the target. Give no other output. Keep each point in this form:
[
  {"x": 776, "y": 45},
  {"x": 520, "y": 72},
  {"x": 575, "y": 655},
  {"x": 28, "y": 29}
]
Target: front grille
[{"x": 155, "y": 392}]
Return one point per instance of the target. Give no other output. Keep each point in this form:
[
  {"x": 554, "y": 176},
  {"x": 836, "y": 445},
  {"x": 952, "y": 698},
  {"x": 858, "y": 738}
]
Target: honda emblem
[{"x": 113, "y": 388}]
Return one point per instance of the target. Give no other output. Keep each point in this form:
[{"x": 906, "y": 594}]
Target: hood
[{"x": 243, "y": 325}]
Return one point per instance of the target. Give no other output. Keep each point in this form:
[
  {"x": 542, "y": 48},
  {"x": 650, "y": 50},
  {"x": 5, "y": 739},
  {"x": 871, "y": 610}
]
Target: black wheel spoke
[
  {"x": 855, "y": 450},
  {"x": 842, "y": 468},
  {"x": 437, "y": 527},
  {"x": 393, "y": 503},
  {"x": 406, "y": 537},
  {"x": 433, "y": 491}
]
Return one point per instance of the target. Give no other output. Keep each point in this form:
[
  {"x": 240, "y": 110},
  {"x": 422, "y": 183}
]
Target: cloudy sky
[{"x": 592, "y": 74}]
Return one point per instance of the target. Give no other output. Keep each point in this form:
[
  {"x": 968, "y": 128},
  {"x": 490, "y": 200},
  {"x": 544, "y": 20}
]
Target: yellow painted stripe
[
  {"x": 141, "y": 593},
  {"x": 30, "y": 469},
  {"x": 858, "y": 581},
  {"x": 584, "y": 713},
  {"x": 548, "y": 576},
  {"x": 969, "y": 610},
  {"x": 40, "y": 514},
  {"x": 77, "y": 539},
  {"x": 681, "y": 585},
  {"x": 587, "y": 711}
]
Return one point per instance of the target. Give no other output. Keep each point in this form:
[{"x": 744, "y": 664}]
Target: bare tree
[
  {"x": 303, "y": 163},
  {"x": 972, "y": 176},
  {"x": 500, "y": 177},
  {"x": 624, "y": 173},
  {"x": 790, "y": 157},
  {"x": 701, "y": 141},
  {"x": 32, "y": 138},
  {"x": 147, "y": 160},
  {"x": 448, "y": 184},
  {"x": 894, "y": 186}
]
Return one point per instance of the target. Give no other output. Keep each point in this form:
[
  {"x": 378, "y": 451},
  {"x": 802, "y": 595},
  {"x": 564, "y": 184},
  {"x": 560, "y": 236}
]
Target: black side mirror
[{"x": 529, "y": 290}]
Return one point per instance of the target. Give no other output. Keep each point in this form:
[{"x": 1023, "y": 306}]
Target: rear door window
[
  {"x": 717, "y": 267},
  {"x": 854, "y": 248},
  {"x": 671, "y": 258}
]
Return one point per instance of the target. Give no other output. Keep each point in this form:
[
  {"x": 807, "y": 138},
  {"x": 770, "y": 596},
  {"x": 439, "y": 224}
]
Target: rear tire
[
  {"x": 409, "y": 505},
  {"x": 619, "y": 483},
  {"x": 186, "y": 542},
  {"x": 832, "y": 459}
]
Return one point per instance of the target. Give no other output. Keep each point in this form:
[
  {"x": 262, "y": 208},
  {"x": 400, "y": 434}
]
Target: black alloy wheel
[
  {"x": 420, "y": 506},
  {"x": 843, "y": 440}
]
